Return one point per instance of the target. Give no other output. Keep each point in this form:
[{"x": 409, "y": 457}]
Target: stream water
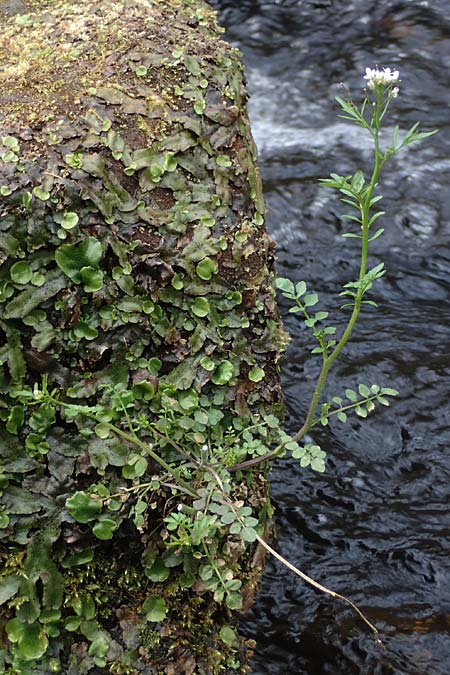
[{"x": 376, "y": 525}]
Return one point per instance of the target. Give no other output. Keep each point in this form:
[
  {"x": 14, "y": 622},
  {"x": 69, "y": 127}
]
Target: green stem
[
  {"x": 343, "y": 408},
  {"x": 329, "y": 360},
  {"x": 132, "y": 438},
  {"x": 364, "y": 205}
]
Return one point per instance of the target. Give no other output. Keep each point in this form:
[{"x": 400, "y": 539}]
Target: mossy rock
[{"x": 136, "y": 281}]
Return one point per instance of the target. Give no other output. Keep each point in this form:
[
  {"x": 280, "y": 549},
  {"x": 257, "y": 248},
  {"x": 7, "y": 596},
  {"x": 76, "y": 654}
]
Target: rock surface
[{"x": 135, "y": 281}]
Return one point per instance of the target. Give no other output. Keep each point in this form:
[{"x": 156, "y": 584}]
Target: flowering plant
[{"x": 358, "y": 192}]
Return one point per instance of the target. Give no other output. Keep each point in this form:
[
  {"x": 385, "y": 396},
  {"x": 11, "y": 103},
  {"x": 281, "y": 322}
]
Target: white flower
[
  {"x": 383, "y": 77},
  {"x": 394, "y": 92}
]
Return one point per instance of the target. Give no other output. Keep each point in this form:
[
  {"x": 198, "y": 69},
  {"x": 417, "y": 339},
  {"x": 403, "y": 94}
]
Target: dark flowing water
[{"x": 376, "y": 525}]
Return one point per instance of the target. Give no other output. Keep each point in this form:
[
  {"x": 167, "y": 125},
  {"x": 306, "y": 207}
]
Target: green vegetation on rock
[{"x": 139, "y": 340}]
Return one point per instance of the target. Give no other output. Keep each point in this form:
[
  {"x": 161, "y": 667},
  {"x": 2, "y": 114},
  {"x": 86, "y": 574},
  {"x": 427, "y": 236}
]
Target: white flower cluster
[{"x": 383, "y": 77}]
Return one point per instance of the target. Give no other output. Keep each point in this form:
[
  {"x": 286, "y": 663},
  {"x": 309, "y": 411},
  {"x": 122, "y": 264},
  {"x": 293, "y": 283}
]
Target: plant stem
[
  {"x": 328, "y": 360},
  {"x": 132, "y": 438}
]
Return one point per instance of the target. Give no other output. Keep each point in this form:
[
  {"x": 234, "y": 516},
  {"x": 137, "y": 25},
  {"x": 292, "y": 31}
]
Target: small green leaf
[
  {"x": 342, "y": 417},
  {"x": 69, "y": 220},
  {"x": 285, "y": 285},
  {"x": 84, "y": 330},
  {"x": 144, "y": 390},
  {"x": 311, "y": 300},
  {"x": 364, "y": 390},
  {"x": 105, "y": 528},
  {"x": 21, "y": 272},
  {"x": 188, "y": 400},
  {"x": 141, "y": 71},
  {"x": 200, "y": 307},
  {"x": 199, "y": 106},
  {"x": 389, "y": 392},
  {"x": 82, "y": 507},
  {"x": 154, "y": 609},
  {"x": 318, "y": 464},
  {"x": 49, "y": 615},
  {"x": 207, "y": 363},
  {"x": 223, "y": 373},
  {"x": 256, "y": 374},
  {"x": 206, "y": 268},
  {"x": 351, "y": 395},
  {"x": 357, "y": 182},
  {"x": 72, "y": 623},
  {"x": 177, "y": 282},
  {"x": 135, "y": 468},
  {"x": 99, "y": 646},
  {"x": 11, "y": 142},
  {"x": 228, "y": 636},
  {"x": 40, "y": 193},
  {"x": 14, "y": 629},
  {"x": 234, "y": 601},
  {"x": 72, "y": 259},
  {"x": 248, "y": 534},
  {"x": 223, "y": 160},
  {"x": 92, "y": 279},
  {"x": 31, "y": 640},
  {"x": 158, "y": 571}
]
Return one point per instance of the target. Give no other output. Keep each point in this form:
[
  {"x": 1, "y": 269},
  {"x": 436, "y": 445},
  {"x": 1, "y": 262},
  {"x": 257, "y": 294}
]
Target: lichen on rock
[{"x": 136, "y": 283}]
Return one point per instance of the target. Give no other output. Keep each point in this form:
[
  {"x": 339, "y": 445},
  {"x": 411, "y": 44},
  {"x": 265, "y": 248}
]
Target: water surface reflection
[{"x": 376, "y": 526}]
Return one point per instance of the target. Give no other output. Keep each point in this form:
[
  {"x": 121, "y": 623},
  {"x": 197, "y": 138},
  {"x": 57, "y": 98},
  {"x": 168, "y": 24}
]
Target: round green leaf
[
  {"x": 99, "y": 646},
  {"x": 105, "y": 528},
  {"x": 311, "y": 300},
  {"x": 158, "y": 571},
  {"x": 207, "y": 363},
  {"x": 4, "y": 522},
  {"x": 33, "y": 643},
  {"x": 223, "y": 160},
  {"x": 285, "y": 285},
  {"x": 72, "y": 259},
  {"x": 21, "y": 272},
  {"x": 188, "y": 400},
  {"x": 141, "y": 71},
  {"x": 318, "y": 464},
  {"x": 15, "y": 629},
  {"x": 69, "y": 220},
  {"x": 144, "y": 390},
  {"x": 155, "y": 609},
  {"x": 206, "y": 268},
  {"x": 256, "y": 374},
  {"x": 199, "y": 106},
  {"x": 82, "y": 507},
  {"x": 224, "y": 373},
  {"x": 72, "y": 623},
  {"x": 135, "y": 468},
  {"x": 228, "y": 636},
  {"x": 92, "y": 279},
  {"x": 84, "y": 330},
  {"x": 200, "y": 307},
  {"x": 40, "y": 193},
  {"x": 11, "y": 142}
]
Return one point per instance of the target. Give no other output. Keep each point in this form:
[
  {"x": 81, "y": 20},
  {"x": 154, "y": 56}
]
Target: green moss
[{"x": 132, "y": 201}]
